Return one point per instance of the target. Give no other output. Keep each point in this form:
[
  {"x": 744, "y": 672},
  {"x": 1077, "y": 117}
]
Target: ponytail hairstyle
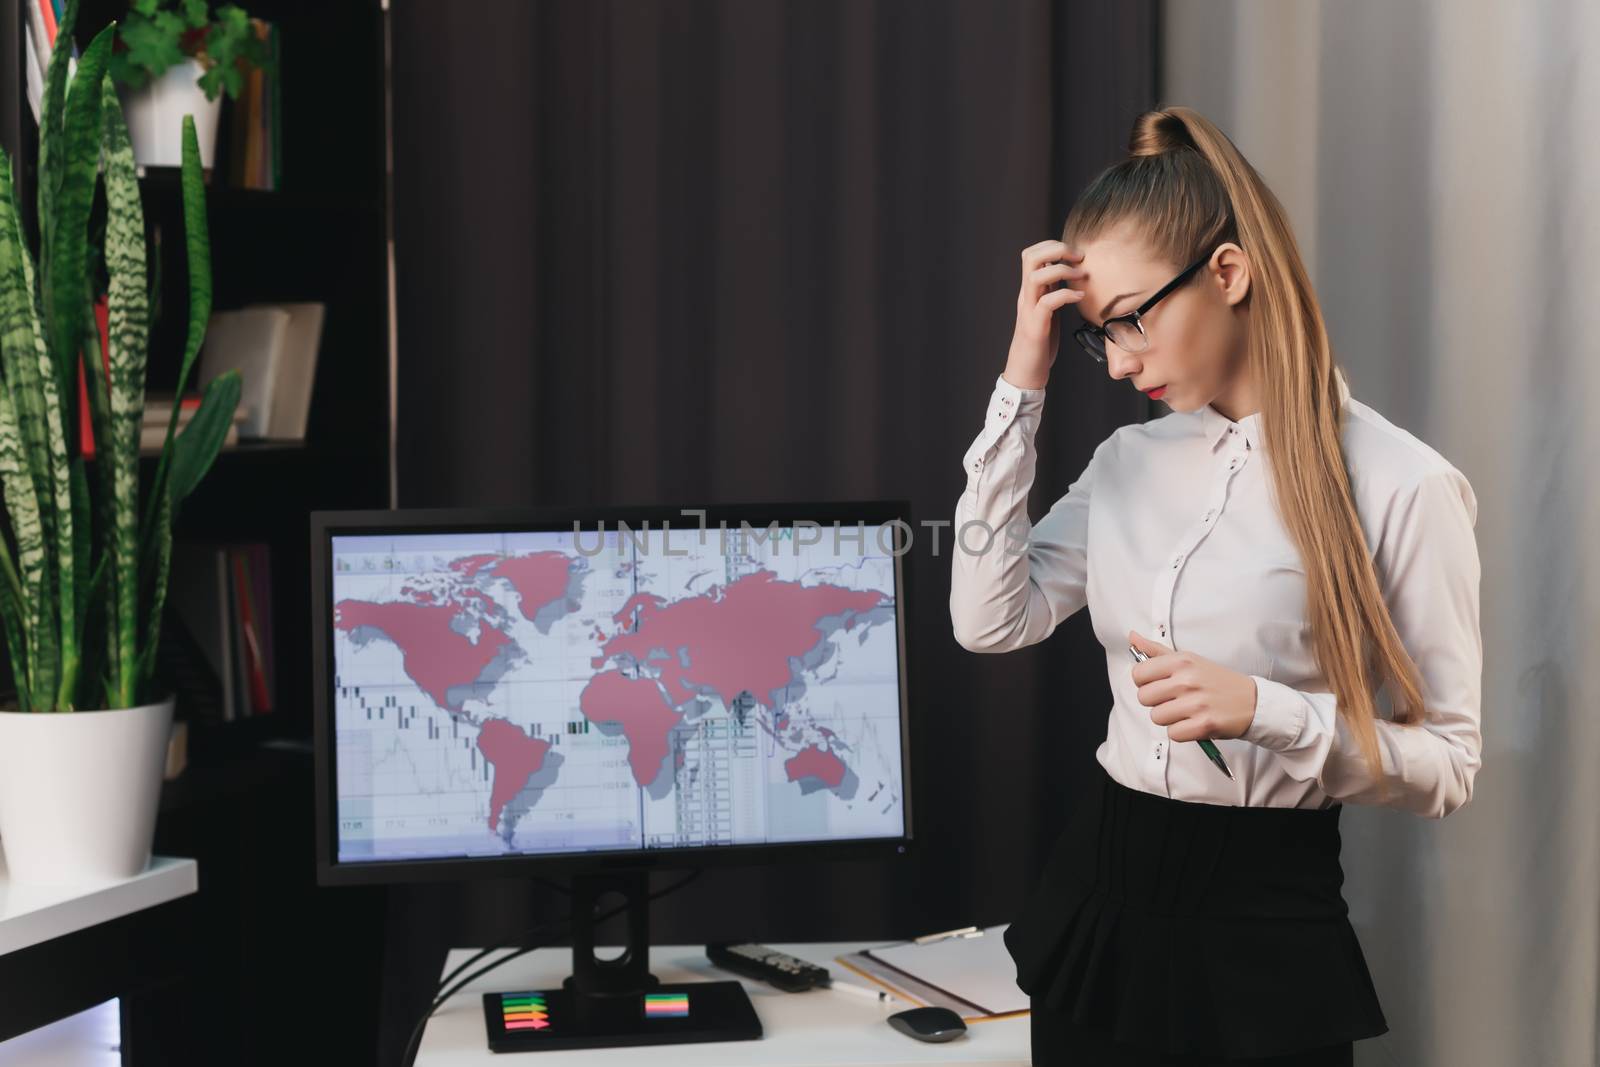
[{"x": 1184, "y": 189}]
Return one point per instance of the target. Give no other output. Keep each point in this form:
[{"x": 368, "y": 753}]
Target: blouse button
[
  {"x": 1001, "y": 414},
  {"x": 1162, "y": 629}
]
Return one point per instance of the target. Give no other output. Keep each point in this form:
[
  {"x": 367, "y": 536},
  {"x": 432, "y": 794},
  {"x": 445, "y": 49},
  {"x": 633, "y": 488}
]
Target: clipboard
[{"x": 968, "y": 971}]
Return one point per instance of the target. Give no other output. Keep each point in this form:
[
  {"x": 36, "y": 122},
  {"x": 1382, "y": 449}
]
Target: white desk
[
  {"x": 30, "y": 914},
  {"x": 812, "y": 1028}
]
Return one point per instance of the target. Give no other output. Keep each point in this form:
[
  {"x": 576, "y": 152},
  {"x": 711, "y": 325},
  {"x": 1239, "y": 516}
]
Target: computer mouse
[{"x": 929, "y": 1024}]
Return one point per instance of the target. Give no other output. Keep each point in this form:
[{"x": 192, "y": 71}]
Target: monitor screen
[{"x": 602, "y": 687}]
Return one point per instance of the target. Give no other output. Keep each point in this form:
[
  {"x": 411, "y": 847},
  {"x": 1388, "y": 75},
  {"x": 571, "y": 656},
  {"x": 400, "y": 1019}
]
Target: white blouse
[{"x": 1170, "y": 530}]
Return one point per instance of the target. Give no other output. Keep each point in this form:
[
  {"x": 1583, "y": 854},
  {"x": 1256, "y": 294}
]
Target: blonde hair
[{"x": 1184, "y": 189}]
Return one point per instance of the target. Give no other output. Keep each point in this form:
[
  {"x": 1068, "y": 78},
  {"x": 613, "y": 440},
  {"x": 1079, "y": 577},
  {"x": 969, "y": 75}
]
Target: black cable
[
  {"x": 442, "y": 997},
  {"x": 470, "y": 960},
  {"x": 408, "y": 1057}
]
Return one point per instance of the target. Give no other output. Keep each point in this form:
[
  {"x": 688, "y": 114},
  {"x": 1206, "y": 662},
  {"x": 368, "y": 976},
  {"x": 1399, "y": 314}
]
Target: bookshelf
[{"x": 243, "y": 807}]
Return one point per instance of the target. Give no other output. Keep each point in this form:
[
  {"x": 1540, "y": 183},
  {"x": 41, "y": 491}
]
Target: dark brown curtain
[{"x": 661, "y": 252}]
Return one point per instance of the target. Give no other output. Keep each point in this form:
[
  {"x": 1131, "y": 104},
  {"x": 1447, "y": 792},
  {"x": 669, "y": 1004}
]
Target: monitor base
[
  {"x": 674, "y": 1013},
  {"x": 616, "y": 1002}
]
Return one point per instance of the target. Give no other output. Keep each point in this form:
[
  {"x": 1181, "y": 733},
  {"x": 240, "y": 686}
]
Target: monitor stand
[{"x": 616, "y": 1002}]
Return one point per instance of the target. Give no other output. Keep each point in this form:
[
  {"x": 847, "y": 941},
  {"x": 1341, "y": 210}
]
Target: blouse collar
[{"x": 1216, "y": 426}]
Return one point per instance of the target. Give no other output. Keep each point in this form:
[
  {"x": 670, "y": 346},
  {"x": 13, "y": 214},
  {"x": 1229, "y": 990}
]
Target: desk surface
[
  {"x": 30, "y": 914},
  {"x": 812, "y": 1028}
]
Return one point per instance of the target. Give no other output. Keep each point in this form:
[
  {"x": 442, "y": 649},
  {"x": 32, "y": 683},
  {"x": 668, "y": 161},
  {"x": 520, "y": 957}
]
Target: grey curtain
[
  {"x": 1437, "y": 158},
  {"x": 722, "y": 251}
]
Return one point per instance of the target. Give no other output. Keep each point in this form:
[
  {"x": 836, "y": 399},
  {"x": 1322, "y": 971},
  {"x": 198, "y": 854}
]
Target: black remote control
[{"x": 788, "y": 973}]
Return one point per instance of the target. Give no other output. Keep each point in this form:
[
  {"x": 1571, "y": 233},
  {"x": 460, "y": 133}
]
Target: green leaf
[
  {"x": 14, "y": 615},
  {"x": 158, "y": 598},
  {"x": 65, "y": 288},
  {"x": 198, "y": 247},
  {"x": 22, "y": 508},
  {"x": 149, "y": 47},
  {"x": 197, "y": 446},
  {"x": 46, "y": 424},
  {"x": 156, "y": 36},
  {"x": 82, "y": 551},
  {"x": 128, "y": 329},
  {"x": 55, "y": 93},
  {"x": 35, "y": 426},
  {"x": 96, "y": 589}
]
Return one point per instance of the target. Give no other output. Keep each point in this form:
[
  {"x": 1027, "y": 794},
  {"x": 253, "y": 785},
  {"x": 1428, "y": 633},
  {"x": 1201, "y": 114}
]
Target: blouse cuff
[
  {"x": 1024, "y": 401},
  {"x": 1280, "y": 716}
]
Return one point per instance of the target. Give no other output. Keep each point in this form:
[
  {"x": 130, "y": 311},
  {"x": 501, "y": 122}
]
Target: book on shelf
[
  {"x": 41, "y": 22},
  {"x": 34, "y": 78},
  {"x": 255, "y": 138},
  {"x": 221, "y": 603},
  {"x": 47, "y": 12},
  {"x": 274, "y": 347}
]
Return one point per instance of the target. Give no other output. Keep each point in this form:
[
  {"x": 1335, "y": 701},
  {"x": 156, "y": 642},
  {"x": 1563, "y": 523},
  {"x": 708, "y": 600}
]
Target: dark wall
[{"x": 656, "y": 252}]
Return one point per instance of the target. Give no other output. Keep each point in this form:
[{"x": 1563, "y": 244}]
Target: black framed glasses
[{"x": 1127, "y": 331}]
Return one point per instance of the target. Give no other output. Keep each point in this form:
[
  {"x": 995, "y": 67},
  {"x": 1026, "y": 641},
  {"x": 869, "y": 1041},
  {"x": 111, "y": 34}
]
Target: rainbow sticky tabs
[
  {"x": 524, "y": 1011},
  {"x": 666, "y": 1005}
]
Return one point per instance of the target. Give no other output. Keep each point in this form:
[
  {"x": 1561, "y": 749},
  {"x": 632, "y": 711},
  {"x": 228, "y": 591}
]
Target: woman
[{"x": 1281, "y": 552}]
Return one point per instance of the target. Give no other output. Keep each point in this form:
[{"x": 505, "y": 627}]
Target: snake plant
[{"x": 85, "y": 557}]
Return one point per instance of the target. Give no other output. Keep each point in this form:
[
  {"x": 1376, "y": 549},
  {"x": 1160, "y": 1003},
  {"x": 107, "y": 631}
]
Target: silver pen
[
  {"x": 1205, "y": 742},
  {"x": 878, "y": 996}
]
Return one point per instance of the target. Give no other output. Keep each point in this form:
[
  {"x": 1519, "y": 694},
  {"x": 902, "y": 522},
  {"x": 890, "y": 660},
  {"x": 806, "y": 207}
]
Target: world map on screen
[{"x": 563, "y": 691}]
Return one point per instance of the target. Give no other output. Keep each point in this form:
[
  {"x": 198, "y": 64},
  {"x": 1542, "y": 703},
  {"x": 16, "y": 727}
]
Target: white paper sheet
[{"x": 979, "y": 970}]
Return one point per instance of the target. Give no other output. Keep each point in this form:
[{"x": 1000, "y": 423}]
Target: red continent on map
[
  {"x": 736, "y": 641},
  {"x": 539, "y": 578},
  {"x": 433, "y": 655},
  {"x": 814, "y": 762},
  {"x": 646, "y": 720},
  {"x": 739, "y": 637},
  {"x": 515, "y": 757}
]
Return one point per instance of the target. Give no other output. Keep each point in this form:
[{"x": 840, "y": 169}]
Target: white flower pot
[
  {"x": 79, "y": 791},
  {"x": 155, "y": 116}
]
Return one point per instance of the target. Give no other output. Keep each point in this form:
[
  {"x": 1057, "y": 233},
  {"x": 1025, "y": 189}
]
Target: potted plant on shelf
[
  {"x": 84, "y": 555},
  {"x": 172, "y": 58}
]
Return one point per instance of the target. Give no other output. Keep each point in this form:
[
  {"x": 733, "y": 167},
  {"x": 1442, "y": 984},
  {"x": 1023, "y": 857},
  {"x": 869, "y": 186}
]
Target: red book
[
  {"x": 48, "y": 12},
  {"x": 258, "y": 681},
  {"x": 85, "y": 423},
  {"x": 262, "y": 604}
]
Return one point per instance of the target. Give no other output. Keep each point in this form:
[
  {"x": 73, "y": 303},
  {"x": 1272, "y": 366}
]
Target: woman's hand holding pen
[
  {"x": 1190, "y": 695},
  {"x": 1037, "y": 337}
]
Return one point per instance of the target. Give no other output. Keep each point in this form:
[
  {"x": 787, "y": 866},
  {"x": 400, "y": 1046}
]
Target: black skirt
[{"x": 1172, "y": 932}]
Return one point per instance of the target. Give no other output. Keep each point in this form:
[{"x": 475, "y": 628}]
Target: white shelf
[{"x": 30, "y": 914}]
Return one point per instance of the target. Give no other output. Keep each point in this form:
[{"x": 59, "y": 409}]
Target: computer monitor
[{"x": 604, "y": 692}]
